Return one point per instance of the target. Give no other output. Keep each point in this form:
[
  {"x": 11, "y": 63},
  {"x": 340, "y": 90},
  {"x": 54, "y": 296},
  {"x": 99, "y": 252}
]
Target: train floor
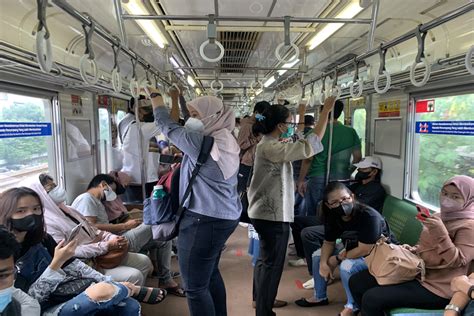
[{"x": 237, "y": 270}]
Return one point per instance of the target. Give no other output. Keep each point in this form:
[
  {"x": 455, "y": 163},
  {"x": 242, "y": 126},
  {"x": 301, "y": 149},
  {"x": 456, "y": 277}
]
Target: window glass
[
  {"x": 104, "y": 130},
  {"x": 359, "y": 124},
  {"x": 437, "y": 157},
  {"x": 120, "y": 115},
  {"x": 26, "y": 141}
]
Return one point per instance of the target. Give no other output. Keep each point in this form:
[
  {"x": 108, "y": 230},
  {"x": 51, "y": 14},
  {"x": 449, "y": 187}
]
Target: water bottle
[{"x": 158, "y": 192}]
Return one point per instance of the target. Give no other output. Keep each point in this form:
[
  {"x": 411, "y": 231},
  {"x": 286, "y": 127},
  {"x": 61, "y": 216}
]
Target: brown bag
[
  {"x": 111, "y": 259},
  {"x": 393, "y": 264}
]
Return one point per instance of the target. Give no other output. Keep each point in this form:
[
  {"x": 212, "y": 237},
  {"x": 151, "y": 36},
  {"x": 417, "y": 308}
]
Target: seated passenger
[
  {"x": 447, "y": 239},
  {"x": 271, "y": 194},
  {"x": 463, "y": 288},
  {"x": 91, "y": 242},
  {"x": 13, "y": 301},
  {"x": 46, "y": 269},
  {"x": 359, "y": 226}
]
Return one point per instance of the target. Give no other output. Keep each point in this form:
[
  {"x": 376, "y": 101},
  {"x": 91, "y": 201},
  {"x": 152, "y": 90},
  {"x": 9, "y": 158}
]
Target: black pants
[
  {"x": 375, "y": 299},
  {"x": 308, "y": 235},
  {"x": 133, "y": 193},
  {"x": 269, "y": 268},
  {"x": 243, "y": 177}
]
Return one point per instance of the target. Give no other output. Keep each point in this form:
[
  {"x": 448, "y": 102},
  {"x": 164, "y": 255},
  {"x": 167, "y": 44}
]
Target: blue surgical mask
[
  {"x": 5, "y": 298},
  {"x": 289, "y": 132}
]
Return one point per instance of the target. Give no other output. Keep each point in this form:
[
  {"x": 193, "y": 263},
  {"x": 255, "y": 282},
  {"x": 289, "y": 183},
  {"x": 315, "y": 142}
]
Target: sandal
[
  {"x": 156, "y": 295},
  {"x": 176, "y": 290}
]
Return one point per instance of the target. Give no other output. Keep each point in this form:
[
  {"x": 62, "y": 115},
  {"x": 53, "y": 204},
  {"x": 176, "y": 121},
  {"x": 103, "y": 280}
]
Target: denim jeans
[
  {"x": 119, "y": 304},
  {"x": 347, "y": 268},
  {"x": 314, "y": 194},
  {"x": 469, "y": 309},
  {"x": 200, "y": 242}
]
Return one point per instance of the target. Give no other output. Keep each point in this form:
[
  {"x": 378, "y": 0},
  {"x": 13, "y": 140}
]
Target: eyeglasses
[
  {"x": 291, "y": 123},
  {"x": 335, "y": 204}
]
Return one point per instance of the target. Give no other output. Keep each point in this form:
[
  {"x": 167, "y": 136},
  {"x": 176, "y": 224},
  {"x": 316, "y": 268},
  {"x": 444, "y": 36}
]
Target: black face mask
[
  {"x": 27, "y": 224},
  {"x": 149, "y": 118},
  {"x": 345, "y": 209},
  {"x": 362, "y": 175},
  {"x": 120, "y": 189}
]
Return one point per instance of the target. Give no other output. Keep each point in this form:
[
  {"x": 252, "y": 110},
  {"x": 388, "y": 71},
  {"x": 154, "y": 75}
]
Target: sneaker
[
  {"x": 297, "y": 262},
  {"x": 309, "y": 284},
  {"x": 243, "y": 224}
]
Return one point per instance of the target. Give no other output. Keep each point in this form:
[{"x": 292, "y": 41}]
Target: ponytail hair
[{"x": 269, "y": 119}]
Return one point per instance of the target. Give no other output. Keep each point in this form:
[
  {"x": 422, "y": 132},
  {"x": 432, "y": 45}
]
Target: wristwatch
[
  {"x": 338, "y": 259},
  {"x": 452, "y": 307},
  {"x": 154, "y": 95},
  {"x": 469, "y": 292}
]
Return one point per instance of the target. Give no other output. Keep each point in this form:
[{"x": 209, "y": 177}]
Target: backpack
[{"x": 164, "y": 214}]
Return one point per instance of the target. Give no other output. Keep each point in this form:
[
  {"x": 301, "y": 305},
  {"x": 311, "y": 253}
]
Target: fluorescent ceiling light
[
  {"x": 288, "y": 65},
  {"x": 191, "y": 81},
  {"x": 198, "y": 91},
  {"x": 176, "y": 65},
  {"x": 269, "y": 82},
  {"x": 258, "y": 91},
  {"x": 135, "y": 7},
  {"x": 350, "y": 11}
]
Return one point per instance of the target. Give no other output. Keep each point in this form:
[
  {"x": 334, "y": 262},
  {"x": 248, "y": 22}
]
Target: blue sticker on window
[
  {"x": 24, "y": 129},
  {"x": 465, "y": 128}
]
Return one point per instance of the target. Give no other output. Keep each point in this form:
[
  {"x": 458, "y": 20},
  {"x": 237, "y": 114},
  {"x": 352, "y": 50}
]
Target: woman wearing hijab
[
  {"x": 447, "y": 240},
  {"x": 213, "y": 210}
]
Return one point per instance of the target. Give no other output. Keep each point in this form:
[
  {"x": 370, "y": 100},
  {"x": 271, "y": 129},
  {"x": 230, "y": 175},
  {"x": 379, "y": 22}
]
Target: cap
[{"x": 370, "y": 162}]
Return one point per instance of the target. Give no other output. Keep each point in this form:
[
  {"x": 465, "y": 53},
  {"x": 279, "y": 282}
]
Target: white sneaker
[
  {"x": 297, "y": 263},
  {"x": 309, "y": 284},
  {"x": 243, "y": 224}
]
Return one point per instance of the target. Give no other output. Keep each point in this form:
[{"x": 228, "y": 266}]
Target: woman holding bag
[{"x": 447, "y": 240}]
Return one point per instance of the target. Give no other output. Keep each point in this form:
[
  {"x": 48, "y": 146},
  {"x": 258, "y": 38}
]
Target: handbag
[
  {"x": 69, "y": 289},
  {"x": 393, "y": 264},
  {"x": 168, "y": 230},
  {"x": 111, "y": 259}
]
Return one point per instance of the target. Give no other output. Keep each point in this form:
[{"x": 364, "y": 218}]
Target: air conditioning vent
[{"x": 239, "y": 47}]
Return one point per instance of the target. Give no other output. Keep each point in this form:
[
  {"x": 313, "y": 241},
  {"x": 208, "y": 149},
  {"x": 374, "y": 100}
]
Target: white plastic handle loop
[
  {"x": 467, "y": 61},
  {"x": 252, "y": 85},
  {"x": 134, "y": 88},
  {"x": 280, "y": 46},
  {"x": 145, "y": 83},
  {"x": 116, "y": 80},
  {"x": 85, "y": 61},
  {"x": 336, "y": 92},
  {"x": 174, "y": 85},
  {"x": 426, "y": 75},
  {"x": 387, "y": 84},
  {"x": 211, "y": 60},
  {"x": 352, "y": 87},
  {"x": 322, "y": 97},
  {"x": 221, "y": 86},
  {"x": 44, "y": 51}
]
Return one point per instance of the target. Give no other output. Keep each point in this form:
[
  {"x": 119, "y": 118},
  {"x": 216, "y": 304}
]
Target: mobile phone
[
  {"x": 423, "y": 213},
  {"x": 74, "y": 232},
  {"x": 169, "y": 159}
]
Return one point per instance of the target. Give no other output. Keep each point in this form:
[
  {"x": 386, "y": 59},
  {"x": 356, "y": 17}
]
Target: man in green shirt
[{"x": 345, "y": 143}]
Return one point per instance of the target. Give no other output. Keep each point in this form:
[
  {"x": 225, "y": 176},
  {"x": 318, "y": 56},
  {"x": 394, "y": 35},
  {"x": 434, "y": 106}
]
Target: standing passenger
[
  {"x": 271, "y": 195},
  {"x": 213, "y": 210}
]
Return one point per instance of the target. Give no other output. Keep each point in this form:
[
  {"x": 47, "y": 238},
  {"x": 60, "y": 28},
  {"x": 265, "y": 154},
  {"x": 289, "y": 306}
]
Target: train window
[
  {"x": 443, "y": 145},
  {"x": 26, "y": 141},
  {"x": 359, "y": 119},
  {"x": 120, "y": 115},
  {"x": 104, "y": 137}
]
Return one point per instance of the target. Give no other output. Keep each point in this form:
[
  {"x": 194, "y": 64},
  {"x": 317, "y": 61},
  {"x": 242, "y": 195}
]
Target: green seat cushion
[
  {"x": 400, "y": 216},
  {"x": 414, "y": 311}
]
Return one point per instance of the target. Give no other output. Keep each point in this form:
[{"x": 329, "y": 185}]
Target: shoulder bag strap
[{"x": 204, "y": 153}]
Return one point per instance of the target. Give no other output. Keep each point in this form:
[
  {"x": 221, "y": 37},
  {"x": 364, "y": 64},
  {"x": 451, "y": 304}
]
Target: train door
[
  {"x": 79, "y": 139},
  {"x": 104, "y": 130},
  {"x": 27, "y": 136},
  {"x": 359, "y": 116}
]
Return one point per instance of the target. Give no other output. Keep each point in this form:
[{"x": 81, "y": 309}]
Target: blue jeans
[
  {"x": 200, "y": 242},
  {"x": 347, "y": 268},
  {"x": 119, "y": 304},
  {"x": 469, "y": 309},
  {"x": 314, "y": 194}
]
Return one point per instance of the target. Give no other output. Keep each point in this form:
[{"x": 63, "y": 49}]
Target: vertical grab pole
[
  {"x": 328, "y": 165},
  {"x": 373, "y": 24},
  {"x": 142, "y": 158}
]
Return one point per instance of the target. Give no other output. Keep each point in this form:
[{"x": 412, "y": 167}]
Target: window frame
[{"x": 411, "y": 171}]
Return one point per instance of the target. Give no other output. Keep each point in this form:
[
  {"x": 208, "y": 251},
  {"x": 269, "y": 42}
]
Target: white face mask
[
  {"x": 58, "y": 195},
  {"x": 194, "y": 125},
  {"x": 450, "y": 205},
  {"x": 110, "y": 195}
]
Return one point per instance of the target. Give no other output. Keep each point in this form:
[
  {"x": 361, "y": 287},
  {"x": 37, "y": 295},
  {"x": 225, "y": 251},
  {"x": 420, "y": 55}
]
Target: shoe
[
  {"x": 276, "y": 304},
  {"x": 297, "y": 262},
  {"x": 304, "y": 303},
  {"x": 347, "y": 312},
  {"x": 309, "y": 284},
  {"x": 243, "y": 224}
]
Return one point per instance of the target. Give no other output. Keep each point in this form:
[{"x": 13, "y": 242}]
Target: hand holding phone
[
  {"x": 74, "y": 232},
  {"x": 423, "y": 213}
]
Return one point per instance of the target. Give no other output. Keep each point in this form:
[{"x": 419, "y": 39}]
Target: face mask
[
  {"x": 449, "y": 205},
  {"x": 5, "y": 298},
  {"x": 289, "y": 132},
  {"x": 120, "y": 189},
  {"x": 345, "y": 209},
  {"x": 360, "y": 175},
  {"x": 149, "y": 118},
  {"x": 110, "y": 195},
  {"x": 58, "y": 195},
  {"x": 27, "y": 223},
  {"x": 194, "y": 125}
]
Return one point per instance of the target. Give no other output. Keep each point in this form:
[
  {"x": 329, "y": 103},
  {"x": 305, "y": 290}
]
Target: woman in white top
[{"x": 271, "y": 194}]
